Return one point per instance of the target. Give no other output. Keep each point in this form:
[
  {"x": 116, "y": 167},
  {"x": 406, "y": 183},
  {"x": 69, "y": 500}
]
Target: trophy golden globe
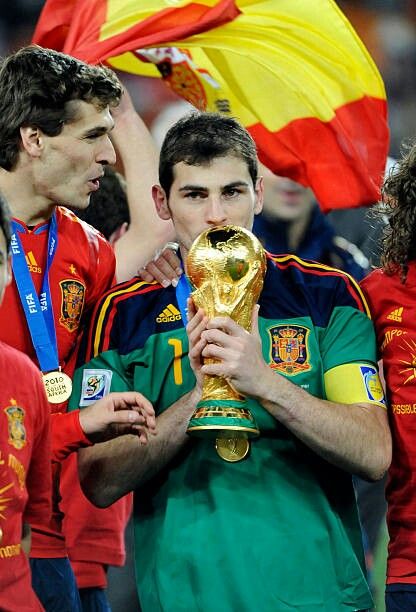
[{"x": 226, "y": 266}]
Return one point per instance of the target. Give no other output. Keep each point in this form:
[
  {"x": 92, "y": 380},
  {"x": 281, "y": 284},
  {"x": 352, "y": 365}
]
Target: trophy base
[{"x": 222, "y": 419}]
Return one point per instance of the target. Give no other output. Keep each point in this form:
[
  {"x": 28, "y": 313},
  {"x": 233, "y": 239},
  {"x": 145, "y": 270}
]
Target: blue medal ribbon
[
  {"x": 183, "y": 291},
  {"x": 38, "y": 309}
]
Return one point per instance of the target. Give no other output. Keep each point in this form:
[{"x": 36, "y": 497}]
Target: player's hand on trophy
[
  {"x": 165, "y": 268},
  {"x": 117, "y": 414},
  {"x": 239, "y": 354},
  {"x": 197, "y": 323}
]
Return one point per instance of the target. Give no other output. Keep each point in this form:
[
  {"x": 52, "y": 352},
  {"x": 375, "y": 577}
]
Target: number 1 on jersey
[{"x": 177, "y": 363}]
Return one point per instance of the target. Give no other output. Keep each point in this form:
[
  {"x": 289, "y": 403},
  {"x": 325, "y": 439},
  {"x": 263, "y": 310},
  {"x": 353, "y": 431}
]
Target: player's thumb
[{"x": 255, "y": 320}]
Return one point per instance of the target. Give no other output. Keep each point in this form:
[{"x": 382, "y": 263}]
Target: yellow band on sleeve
[{"x": 354, "y": 383}]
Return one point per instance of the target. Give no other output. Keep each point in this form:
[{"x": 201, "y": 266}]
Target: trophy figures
[{"x": 226, "y": 265}]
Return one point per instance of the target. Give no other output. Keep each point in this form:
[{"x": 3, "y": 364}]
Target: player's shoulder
[
  {"x": 69, "y": 222},
  {"x": 121, "y": 313},
  {"x": 377, "y": 279},
  {"x": 329, "y": 286},
  {"x": 375, "y": 275},
  {"x": 13, "y": 360},
  {"x": 130, "y": 294},
  {"x": 387, "y": 291},
  {"x": 309, "y": 270}
]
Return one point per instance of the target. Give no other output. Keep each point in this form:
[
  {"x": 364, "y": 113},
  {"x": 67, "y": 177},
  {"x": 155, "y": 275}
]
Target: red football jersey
[
  {"x": 393, "y": 308},
  {"x": 82, "y": 270},
  {"x": 25, "y": 473}
]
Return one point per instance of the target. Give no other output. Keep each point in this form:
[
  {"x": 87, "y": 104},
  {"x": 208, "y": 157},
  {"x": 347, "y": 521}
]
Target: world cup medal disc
[
  {"x": 232, "y": 449},
  {"x": 58, "y": 386}
]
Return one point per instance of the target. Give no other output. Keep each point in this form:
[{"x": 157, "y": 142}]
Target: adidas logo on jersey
[
  {"x": 169, "y": 314},
  {"x": 32, "y": 264},
  {"x": 396, "y": 315}
]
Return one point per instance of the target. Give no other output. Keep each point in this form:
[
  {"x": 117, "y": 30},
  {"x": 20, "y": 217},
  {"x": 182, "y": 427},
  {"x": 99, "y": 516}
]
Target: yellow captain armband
[{"x": 354, "y": 383}]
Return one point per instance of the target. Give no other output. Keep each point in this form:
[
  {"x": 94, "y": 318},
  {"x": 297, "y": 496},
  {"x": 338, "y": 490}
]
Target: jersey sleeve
[
  {"x": 349, "y": 334},
  {"x": 67, "y": 434},
  {"x": 103, "y": 265},
  {"x": 348, "y": 350},
  {"x": 39, "y": 476}
]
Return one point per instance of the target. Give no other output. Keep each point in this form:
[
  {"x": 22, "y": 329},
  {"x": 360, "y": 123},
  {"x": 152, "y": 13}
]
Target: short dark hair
[
  {"x": 35, "y": 86},
  {"x": 5, "y": 217},
  {"x": 108, "y": 208},
  {"x": 198, "y": 138}
]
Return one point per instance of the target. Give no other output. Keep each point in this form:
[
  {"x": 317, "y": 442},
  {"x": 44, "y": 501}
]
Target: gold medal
[
  {"x": 232, "y": 449},
  {"x": 58, "y": 386}
]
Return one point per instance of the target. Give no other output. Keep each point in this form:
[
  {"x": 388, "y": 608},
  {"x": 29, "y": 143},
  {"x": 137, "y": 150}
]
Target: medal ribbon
[
  {"x": 183, "y": 291},
  {"x": 38, "y": 309}
]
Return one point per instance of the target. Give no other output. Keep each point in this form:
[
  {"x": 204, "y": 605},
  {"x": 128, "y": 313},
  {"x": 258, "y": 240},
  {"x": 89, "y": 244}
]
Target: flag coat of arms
[{"x": 294, "y": 72}]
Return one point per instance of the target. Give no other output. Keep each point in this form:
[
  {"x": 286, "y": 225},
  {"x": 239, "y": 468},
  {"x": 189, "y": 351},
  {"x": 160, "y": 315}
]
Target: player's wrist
[
  {"x": 195, "y": 395},
  {"x": 88, "y": 421}
]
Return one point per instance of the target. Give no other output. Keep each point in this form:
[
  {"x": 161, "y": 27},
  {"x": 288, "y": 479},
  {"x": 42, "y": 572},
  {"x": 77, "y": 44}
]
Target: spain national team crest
[
  {"x": 289, "y": 349},
  {"x": 73, "y": 296},
  {"x": 184, "y": 82},
  {"x": 15, "y": 420}
]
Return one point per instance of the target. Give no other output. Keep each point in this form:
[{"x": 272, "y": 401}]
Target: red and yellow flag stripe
[{"x": 294, "y": 72}]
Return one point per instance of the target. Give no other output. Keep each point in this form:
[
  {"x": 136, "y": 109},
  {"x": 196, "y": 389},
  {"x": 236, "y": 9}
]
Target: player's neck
[
  {"x": 25, "y": 204},
  {"x": 30, "y": 216}
]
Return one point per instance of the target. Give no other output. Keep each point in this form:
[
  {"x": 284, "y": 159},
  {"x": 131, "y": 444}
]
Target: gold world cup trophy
[{"x": 226, "y": 266}]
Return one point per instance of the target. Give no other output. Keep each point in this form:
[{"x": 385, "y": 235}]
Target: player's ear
[
  {"x": 259, "y": 191},
  {"x": 161, "y": 202},
  {"x": 32, "y": 140}
]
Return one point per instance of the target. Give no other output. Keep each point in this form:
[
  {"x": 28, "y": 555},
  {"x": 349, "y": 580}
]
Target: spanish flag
[{"x": 294, "y": 72}]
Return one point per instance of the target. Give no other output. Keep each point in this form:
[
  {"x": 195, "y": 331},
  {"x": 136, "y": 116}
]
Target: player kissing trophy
[{"x": 226, "y": 266}]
